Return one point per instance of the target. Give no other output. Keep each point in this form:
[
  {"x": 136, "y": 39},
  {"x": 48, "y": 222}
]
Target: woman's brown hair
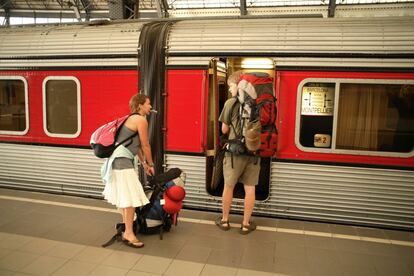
[{"x": 135, "y": 101}]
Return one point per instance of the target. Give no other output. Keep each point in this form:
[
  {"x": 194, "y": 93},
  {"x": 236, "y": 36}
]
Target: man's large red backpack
[{"x": 259, "y": 87}]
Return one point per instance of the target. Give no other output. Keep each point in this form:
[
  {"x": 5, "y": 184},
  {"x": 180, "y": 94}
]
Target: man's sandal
[
  {"x": 246, "y": 229},
  {"x": 223, "y": 225}
]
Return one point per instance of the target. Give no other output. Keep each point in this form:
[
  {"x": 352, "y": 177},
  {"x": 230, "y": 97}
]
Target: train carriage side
[
  {"x": 345, "y": 111},
  {"x": 57, "y": 85}
]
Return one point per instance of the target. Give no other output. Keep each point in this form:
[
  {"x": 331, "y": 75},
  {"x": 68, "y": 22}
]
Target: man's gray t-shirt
[{"x": 231, "y": 105}]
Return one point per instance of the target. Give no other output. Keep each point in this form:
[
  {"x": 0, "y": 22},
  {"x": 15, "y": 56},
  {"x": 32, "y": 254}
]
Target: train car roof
[{"x": 117, "y": 43}]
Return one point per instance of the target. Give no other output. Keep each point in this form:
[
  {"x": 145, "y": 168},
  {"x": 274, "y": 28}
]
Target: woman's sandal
[
  {"x": 223, "y": 225},
  {"x": 246, "y": 229},
  {"x": 134, "y": 243}
]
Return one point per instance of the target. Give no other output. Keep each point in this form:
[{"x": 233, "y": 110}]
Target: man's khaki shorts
[{"x": 245, "y": 170}]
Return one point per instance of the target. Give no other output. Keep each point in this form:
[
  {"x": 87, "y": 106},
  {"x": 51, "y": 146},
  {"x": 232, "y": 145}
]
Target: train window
[
  {"x": 14, "y": 107},
  {"x": 376, "y": 117},
  {"x": 61, "y": 107},
  {"x": 345, "y": 116},
  {"x": 317, "y": 114}
]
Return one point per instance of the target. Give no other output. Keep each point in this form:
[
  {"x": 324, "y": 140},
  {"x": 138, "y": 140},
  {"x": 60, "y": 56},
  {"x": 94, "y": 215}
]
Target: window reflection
[
  {"x": 61, "y": 106},
  {"x": 376, "y": 117},
  {"x": 12, "y": 105}
]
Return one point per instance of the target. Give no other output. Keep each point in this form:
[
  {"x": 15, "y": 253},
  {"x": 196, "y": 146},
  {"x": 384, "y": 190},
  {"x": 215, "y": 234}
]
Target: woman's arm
[
  {"x": 142, "y": 126},
  {"x": 140, "y": 156}
]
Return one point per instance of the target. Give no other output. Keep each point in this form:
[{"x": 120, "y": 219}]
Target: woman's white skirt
[{"x": 125, "y": 190}]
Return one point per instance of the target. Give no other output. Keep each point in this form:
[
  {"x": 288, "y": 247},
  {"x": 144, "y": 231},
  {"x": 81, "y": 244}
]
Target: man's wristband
[{"x": 150, "y": 165}]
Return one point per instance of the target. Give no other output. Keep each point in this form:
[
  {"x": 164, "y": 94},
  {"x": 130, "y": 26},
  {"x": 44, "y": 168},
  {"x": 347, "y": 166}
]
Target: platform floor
[{"x": 45, "y": 234}]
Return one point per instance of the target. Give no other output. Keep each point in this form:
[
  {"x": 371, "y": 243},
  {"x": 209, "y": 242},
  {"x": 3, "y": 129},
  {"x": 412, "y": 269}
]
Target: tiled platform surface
[{"x": 44, "y": 234}]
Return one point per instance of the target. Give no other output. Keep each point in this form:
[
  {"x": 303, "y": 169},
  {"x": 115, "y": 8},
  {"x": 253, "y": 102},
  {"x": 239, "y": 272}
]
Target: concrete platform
[{"x": 46, "y": 234}]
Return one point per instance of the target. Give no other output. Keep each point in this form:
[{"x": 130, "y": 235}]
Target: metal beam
[
  {"x": 5, "y": 5},
  {"x": 136, "y": 10},
  {"x": 165, "y": 5},
  {"x": 130, "y": 8},
  {"x": 331, "y": 8},
  {"x": 6, "y": 21},
  {"x": 86, "y": 6},
  {"x": 74, "y": 4},
  {"x": 66, "y": 13},
  {"x": 61, "y": 4},
  {"x": 162, "y": 8},
  {"x": 28, "y": 4},
  {"x": 123, "y": 9},
  {"x": 243, "y": 8},
  {"x": 116, "y": 9}
]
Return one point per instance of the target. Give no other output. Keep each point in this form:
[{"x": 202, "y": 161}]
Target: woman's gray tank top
[{"x": 126, "y": 163}]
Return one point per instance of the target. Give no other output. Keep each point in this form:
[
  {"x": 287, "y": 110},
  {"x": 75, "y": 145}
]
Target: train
[{"x": 345, "y": 100}]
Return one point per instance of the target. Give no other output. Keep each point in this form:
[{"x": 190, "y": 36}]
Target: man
[{"x": 242, "y": 168}]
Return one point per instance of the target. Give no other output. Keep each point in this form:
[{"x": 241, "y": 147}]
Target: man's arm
[{"x": 225, "y": 128}]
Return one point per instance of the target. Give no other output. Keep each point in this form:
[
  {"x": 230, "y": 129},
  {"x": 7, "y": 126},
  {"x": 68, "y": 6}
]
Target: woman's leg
[
  {"x": 128, "y": 219},
  {"x": 129, "y": 236}
]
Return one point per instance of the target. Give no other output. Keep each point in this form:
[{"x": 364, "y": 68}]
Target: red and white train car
[{"x": 345, "y": 90}]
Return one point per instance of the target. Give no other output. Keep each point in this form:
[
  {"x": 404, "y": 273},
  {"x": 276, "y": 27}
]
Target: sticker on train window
[
  {"x": 14, "y": 107},
  {"x": 61, "y": 107},
  {"x": 316, "y": 113},
  {"x": 318, "y": 100},
  {"x": 349, "y": 116}
]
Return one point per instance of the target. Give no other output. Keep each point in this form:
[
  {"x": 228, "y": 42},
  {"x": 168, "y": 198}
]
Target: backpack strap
[
  {"x": 158, "y": 188},
  {"x": 120, "y": 227},
  {"x": 238, "y": 135},
  {"x": 129, "y": 137},
  {"x": 275, "y": 110},
  {"x": 126, "y": 139}
]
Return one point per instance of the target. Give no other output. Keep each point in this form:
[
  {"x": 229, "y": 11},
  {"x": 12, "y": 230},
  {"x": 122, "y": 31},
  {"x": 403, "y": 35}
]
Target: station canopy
[{"x": 47, "y": 11}]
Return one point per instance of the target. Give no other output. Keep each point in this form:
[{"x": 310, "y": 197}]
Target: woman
[{"x": 123, "y": 187}]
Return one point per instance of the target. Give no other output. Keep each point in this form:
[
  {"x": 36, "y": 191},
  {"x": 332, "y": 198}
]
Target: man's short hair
[{"x": 234, "y": 77}]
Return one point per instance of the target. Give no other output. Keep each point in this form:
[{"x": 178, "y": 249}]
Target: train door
[
  {"x": 219, "y": 71},
  {"x": 216, "y": 97}
]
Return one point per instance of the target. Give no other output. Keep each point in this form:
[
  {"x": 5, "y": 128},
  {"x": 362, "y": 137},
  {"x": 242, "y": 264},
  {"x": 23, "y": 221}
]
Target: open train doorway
[{"x": 219, "y": 72}]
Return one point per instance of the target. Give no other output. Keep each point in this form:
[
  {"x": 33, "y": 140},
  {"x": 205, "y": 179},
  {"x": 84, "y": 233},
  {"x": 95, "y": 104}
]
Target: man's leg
[
  {"x": 227, "y": 198},
  {"x": 249, "y": 200}
]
